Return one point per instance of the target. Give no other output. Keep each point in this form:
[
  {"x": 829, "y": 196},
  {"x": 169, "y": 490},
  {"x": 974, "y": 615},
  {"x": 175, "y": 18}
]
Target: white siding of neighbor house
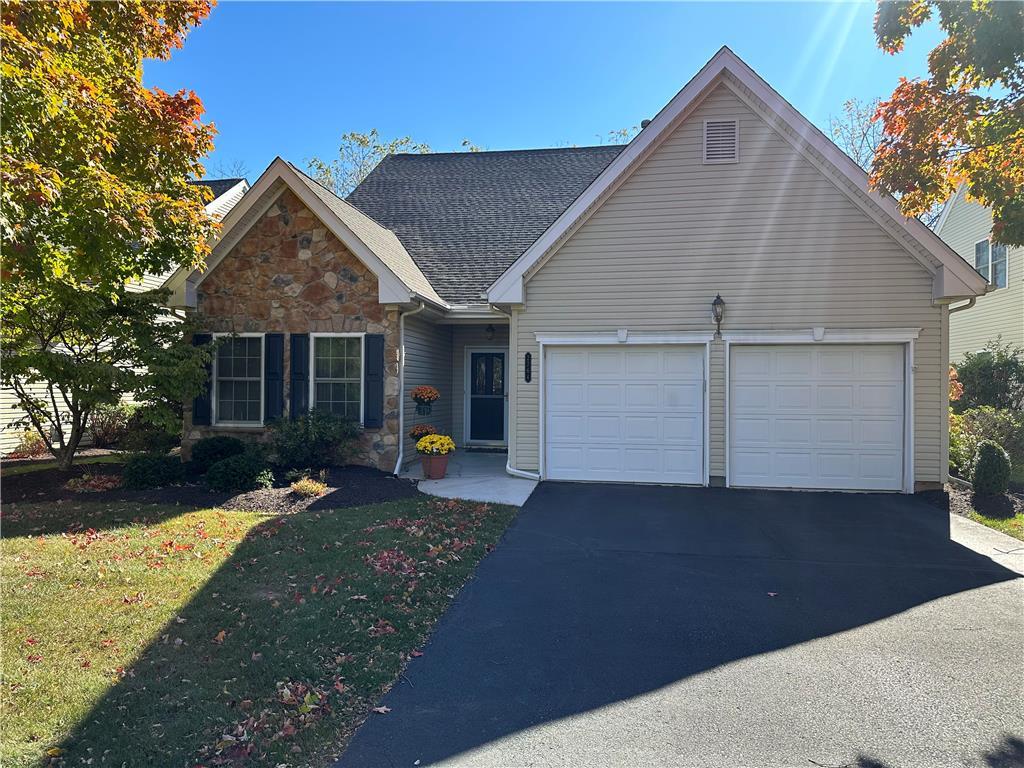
[
  {"x": 428, "y": 361},
  {"x": 1000, "y": 313},
  {"x": 470, "y": 336},
  {"x": 783, "y": 244}
]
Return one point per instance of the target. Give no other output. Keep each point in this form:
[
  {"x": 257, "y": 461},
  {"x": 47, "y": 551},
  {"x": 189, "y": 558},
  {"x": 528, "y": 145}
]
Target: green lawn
[
  {"x": 20, "y": 468},
  {"x": 144, "y": 635},
  {"x": 1014, "y": 526}
]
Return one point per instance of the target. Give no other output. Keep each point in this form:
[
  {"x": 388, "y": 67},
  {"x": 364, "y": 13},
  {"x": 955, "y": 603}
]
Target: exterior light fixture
[
  {"x": 490, "y": 332},
  {"x": 718, "y": 312}
]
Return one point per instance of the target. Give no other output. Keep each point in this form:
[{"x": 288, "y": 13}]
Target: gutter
[
  {"x": 970, "y": 303},
  {"x": 401, "y": 384},
  {"x": 509, "y": 469}
]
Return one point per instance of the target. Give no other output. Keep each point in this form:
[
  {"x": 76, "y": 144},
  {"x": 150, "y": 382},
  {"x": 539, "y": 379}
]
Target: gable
[
  {"x": 768, "y": 230},
  {"x": 964, "y": 224},
  {"x": 952, "y": 278}
]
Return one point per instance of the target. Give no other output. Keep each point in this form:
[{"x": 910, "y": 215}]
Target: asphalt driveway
[{"x": 645, "y": 626}]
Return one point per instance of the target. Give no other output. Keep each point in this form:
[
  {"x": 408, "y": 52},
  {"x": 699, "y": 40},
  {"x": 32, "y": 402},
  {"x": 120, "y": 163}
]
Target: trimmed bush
[
  {"x": 316, "y": 439},
  {"x": 210, "y": 450},
  {"x": 991, "y": 469},
  {"x": 241, "y": 472},
  {"x": 148, "y": 470},
  {"x": 968, "y": 429}
]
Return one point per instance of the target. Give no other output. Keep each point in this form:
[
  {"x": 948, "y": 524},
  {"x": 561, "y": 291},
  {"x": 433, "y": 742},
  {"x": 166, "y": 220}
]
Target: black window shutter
[
  {"x": 373, "y": 381},
  {"x": 202, "y": 405},
  {"x": 299, "y": 383},
  {"x": 273, "y": 376}
]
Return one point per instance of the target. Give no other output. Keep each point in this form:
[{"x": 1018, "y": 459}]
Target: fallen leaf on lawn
[
  {"x": 772, "y": 594},
  {"x": 339, "y": 686},
  {"x": 257, "y": 656},
  {"x": 35, "y": 658},
  {"x": 54, "y": 752},
  {"x": 382, "y": 710},
  {"x": 416, "y": 654},
  {"x": 219, "y": 637},
  {"x": 358, "y": 597}
]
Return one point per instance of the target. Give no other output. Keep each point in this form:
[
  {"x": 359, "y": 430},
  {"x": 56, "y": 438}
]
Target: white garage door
[
  {"x": 625, "y": 414},
  {"x": 806, "y": 416}
]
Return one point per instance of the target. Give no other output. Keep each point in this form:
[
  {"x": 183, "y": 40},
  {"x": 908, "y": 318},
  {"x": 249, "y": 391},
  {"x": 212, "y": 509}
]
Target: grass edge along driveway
[{"x": 152, "y": 635}]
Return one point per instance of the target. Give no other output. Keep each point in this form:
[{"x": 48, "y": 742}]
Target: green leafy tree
[
  {"x": 964, "y": 124},
  {"x": 358, "y": 154},
  {"x": 95, "y": 194}
]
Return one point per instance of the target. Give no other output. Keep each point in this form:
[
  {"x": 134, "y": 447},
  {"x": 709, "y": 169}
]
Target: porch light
[
  {"x": 490, "y": 332},
  {"x": 717, "y": 312}
]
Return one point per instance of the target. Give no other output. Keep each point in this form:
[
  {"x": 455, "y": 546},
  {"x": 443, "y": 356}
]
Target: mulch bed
[
  {"x": 962, "y": 502},
  {"x": 348, "y": 487}
]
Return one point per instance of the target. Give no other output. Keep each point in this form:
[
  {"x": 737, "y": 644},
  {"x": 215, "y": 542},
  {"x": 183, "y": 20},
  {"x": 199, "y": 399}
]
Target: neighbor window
[
  {"x": 238, "y": 380},
  {"x": 337, "y": 378},
  {"x": 990, "y": 261}
]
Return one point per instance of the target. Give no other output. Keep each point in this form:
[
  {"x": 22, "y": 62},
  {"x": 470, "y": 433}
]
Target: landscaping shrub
[
  {"x": 30, "y": 446},
  {"x": 241, "y": 472},
  {"x": 994, "y": 377},
  {"x": 309, "y": 488},
  {"x": 968, "y": 429},
  {"x": 991, "y": 469},
  {"x": 148, "y": 470},
  {"x": 316, "y": 439},
  {"x": 143, "y": 436},
  {"x": 107, "y": 424},
  {"x": 210, "y": 450}
]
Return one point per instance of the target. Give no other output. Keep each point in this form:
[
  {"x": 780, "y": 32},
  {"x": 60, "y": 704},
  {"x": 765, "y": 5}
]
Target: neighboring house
[
  {"x": 226, "y": 192},
  {"x": 561, "y": 301},
  {"x": 967, "y": 226}
]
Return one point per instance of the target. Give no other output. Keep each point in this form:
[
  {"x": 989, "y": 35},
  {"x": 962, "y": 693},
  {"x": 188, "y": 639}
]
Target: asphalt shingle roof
[
  {"x": 218, "y": 186},
  {"x": 465, "y": 217}
]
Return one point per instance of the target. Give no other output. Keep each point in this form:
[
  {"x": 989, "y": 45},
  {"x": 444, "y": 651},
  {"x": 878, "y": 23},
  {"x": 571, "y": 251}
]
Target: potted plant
[
  {"x": 433, "y": 451},
  {"x": 422, "y": 430},
  {"x": 424, "y": 396}
]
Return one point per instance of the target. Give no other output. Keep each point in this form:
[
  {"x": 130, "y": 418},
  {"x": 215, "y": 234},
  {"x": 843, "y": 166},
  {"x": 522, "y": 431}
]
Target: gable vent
[{"x": 721, "y": 141}]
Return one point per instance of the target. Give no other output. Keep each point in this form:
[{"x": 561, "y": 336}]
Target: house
[
  {"x": 562, "y": 302},
  {"x": 226, "y": 192},
  {"x": 967, "y": 227}
]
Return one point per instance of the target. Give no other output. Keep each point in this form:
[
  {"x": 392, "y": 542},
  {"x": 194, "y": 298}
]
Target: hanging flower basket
[
  {"x": 424, "y": 397},
  {"x": 422, "y": 430}
]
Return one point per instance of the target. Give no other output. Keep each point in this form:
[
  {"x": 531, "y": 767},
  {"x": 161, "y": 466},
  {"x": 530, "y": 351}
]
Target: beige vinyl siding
[
  {"x": 428, "y": 361},
  {"x": 785, "y": 247},
  {"x": 470, "y": 336},
  {"x": 1000, "y": 313}
]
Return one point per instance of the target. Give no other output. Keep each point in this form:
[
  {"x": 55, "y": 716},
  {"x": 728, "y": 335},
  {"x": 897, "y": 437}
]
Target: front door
[{"x": 487, "y": 397}]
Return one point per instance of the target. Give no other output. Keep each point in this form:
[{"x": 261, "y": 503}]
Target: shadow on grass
[{"x": 279, "y": 654}]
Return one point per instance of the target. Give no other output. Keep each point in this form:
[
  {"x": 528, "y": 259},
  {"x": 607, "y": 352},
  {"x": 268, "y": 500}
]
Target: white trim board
[
  {"x": 625, "y": 336},
  {"x": 958, "y": 280},
  {"x": 905, "y": 337}
]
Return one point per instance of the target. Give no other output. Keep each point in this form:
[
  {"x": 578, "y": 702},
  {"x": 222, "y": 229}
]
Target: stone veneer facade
[{"x": 289, "y": 274}]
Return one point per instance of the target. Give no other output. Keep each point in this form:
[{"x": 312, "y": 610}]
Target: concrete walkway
[
  {"x": 476, "y": 476},
  {"x": 644, "y": 626}
]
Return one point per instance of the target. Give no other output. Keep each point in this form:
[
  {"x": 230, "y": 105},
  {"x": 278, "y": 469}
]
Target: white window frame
[
  {"x": 215, "y": 415},
  {"x": 989, "y": 273},
  {"x": 362, "y": 368}
]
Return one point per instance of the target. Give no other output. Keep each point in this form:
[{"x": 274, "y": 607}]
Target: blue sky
[{"x": 289, "y": 78}]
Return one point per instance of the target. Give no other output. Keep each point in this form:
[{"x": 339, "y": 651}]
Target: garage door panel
[
  {"x": 630, "y": 414},
  {"x": 844, "y": 413}
]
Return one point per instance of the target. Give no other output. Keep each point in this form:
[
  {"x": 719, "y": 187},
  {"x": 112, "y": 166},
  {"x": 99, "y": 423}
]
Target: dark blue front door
[{"x": 487, "y": 396}]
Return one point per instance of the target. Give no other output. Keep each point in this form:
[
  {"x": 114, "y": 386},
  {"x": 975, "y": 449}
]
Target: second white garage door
[
  {"x": 624, "y": 413},
  {"x": 804, "y": 416}
]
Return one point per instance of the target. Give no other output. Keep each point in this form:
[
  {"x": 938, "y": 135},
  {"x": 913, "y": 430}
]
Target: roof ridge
[
  {"x": 336, "y": 196},
  {"x": 506, "y": 151}
]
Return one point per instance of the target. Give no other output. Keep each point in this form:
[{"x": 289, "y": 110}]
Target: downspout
[
  {"x": 401, "y": 384},
  {"x": 970, "y": 303},
  {"x": 509, "y": 469}
]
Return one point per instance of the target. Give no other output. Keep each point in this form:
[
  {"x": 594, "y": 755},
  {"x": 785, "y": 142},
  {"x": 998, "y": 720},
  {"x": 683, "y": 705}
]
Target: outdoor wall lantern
[
  {"x": 489, "y": 330},
  {"x": 528, "y": 367},
  {"x": 717, "y": 312}
]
